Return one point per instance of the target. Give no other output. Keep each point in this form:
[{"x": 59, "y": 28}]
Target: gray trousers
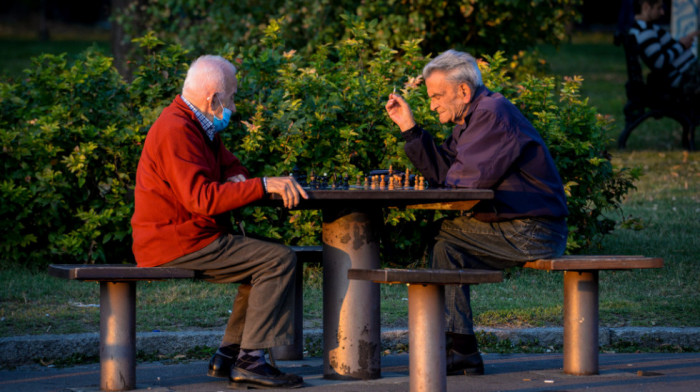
[
  {"x": 263, "y": 310},
  {"x": 467, "y": 243}
]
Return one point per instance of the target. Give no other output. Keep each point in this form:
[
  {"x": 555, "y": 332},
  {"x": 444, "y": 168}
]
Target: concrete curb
[{"x": 22, "y": 350}]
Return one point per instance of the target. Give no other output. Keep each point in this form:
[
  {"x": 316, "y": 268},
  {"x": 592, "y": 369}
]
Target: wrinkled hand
[
  {"x": 236, "y": 178},
  {"x": 399, "y": 112},
  {"x": 288, "y": 188}
]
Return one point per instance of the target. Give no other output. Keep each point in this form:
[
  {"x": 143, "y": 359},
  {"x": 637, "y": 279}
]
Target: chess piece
[
  {"x": 407, "y": 179},
  {"x": 382, "y": 184},
  {"x": 357, "y": 183},
  {"x": 366, "y": 182}
]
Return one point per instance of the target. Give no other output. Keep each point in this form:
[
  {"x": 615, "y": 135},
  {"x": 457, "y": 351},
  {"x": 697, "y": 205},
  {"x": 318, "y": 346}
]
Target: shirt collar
[
  {"x": 472, "y": 105},
  {"x": 207, "y": 124}
]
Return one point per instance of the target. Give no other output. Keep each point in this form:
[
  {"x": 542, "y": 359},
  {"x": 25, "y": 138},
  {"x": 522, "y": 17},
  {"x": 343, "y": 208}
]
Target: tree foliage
[
  {"x": 71, "y": 137},
  {"x": 477, "y": 25}
]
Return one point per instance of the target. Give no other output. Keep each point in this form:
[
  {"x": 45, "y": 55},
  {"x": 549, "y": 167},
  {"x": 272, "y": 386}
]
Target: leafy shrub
[
  {"x": 71, "y": 137},
  {"x": 480, "y": 26}
]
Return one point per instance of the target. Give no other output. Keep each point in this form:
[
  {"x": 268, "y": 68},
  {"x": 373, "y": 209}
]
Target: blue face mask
[{"x": 221, "y": 123}]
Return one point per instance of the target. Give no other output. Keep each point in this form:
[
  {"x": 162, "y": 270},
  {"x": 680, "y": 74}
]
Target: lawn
[{"x": 661, "y": 215}]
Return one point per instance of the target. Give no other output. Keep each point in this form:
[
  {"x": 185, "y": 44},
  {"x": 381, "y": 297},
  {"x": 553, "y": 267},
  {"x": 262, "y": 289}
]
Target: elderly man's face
[{"x": 450, "y": 100}]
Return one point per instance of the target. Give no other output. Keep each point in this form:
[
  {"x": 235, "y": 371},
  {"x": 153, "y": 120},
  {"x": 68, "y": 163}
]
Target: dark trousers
[
  {"x": 263, "y": 310},
  {"x": 465, "y": 243}
]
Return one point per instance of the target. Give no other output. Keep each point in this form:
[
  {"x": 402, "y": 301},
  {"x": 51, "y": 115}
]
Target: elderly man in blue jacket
[{"x": 492, "y": 146}]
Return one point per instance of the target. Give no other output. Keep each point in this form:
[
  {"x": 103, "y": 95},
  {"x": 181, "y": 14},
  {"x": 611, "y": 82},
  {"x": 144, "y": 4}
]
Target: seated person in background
[
  {"x": 185, "y": 180},
  {"x": 492, "y": 146},
  {"x": 669, "y": 58}
]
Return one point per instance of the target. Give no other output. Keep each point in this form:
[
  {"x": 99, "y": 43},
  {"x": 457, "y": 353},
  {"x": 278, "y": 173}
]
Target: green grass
[{"x": 664, "y": 211}]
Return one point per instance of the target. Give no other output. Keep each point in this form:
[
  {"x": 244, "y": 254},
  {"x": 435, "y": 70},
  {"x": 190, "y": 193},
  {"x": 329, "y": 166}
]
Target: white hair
[
  {"x": 459, "y": 67},
  {"x": 208, "y": 70}
]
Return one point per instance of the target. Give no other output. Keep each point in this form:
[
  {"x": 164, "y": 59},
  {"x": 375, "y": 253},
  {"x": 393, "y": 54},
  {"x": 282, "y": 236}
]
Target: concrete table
[{"x": 351, "y": 322}]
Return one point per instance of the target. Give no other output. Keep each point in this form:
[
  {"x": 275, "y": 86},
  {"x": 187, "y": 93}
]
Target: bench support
[
  {"x": 426, "y": 338},
  {"x": 117, "y": 336},
  {"x": 581, "y": 322}
]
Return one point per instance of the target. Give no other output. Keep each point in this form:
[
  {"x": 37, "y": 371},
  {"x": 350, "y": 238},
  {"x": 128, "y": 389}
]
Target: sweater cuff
[{"x": 413, "y": 133}]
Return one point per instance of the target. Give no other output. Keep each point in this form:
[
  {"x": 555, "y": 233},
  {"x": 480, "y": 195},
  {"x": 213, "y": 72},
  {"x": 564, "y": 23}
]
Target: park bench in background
[{"x": 651, "y": 99}]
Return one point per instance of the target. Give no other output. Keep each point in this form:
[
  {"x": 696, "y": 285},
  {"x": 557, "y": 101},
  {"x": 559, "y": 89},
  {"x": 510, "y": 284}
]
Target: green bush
[
  {"x": 481, "y": 26},
  {"x": 71, "y": 137}
]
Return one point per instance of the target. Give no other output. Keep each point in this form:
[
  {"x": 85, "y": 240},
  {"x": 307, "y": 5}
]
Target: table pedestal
[{"x": 351, "y": 323}]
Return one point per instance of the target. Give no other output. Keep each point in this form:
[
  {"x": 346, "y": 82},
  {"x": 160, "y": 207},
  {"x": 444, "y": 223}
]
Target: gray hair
[
  {"x": 459, "y": 67},
  {"x": 208, "y": 70}
]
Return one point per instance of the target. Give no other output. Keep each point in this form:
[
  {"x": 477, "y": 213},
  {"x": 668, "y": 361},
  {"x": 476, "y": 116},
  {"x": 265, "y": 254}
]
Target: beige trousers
[{"x": 263, "y": 310}]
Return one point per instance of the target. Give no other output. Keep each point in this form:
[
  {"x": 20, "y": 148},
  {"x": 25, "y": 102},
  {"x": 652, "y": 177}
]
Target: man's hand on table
[{"x": 288, "y": 188}]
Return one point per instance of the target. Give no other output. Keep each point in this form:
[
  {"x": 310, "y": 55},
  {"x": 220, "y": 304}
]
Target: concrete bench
[
  {"x": 118, "y": 309},
  {"x": 580, "y": 311},
  {"x": 426, "y": 317},
  {"x": 581, "y": 302}
]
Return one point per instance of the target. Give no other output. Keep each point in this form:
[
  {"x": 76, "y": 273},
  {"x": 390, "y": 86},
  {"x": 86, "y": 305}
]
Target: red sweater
[{"x": 181, "y": 186}]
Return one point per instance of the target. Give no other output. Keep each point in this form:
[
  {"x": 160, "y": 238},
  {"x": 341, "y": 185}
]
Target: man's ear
[
  {"x": 466, "y": 92},
  {"x": 213, "y": 102}
]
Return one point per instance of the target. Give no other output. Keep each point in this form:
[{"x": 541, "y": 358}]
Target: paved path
[{"x": 504, "y": 372}]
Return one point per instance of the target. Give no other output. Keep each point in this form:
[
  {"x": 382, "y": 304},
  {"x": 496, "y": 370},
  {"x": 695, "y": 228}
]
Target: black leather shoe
[
  {"x": 220, "y": 364},
  {"x": 263, "y": 377},
  {"x": 469, "y": 365}
]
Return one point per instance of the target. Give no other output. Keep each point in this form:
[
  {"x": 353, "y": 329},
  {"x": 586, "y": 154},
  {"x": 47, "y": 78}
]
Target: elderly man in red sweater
[{"x": 186, "y": 179}]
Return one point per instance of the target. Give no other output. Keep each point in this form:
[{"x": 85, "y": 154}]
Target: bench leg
[
  {"x": 117, "y": 336},
  {"x": 295, "y": 351},
  {"x": 427, "y": 366},
  {"x": 581, "y": 322}
]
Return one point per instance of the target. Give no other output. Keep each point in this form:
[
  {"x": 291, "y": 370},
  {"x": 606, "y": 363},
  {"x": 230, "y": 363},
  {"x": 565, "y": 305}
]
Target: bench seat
[
  {"x": 427, "y": 363},
  {"x": 581, "y": 302},
  {"x": 426, "y": 318},
  {"x": 118, "y": 309}
]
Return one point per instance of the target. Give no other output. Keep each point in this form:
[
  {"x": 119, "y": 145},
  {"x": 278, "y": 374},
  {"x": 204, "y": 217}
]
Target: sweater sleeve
[
  {"x": 191, "y": 174},
  {"x": 230, "y": 164}
]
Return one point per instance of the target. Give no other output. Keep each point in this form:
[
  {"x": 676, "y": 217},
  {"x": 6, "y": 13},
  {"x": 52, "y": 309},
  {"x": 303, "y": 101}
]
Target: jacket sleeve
[
  {"x": 192, "y": 178},
  {"x": 431, "y": 160}
]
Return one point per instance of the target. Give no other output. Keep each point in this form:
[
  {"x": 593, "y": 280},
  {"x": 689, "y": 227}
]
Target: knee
[
  {"x": 441, "y": 255},
  {"x": 284, "y": 258}
]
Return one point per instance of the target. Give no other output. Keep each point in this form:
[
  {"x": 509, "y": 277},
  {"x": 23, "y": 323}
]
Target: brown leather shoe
[
  {"x": 263, "y": 377},
  {"x": 468, "y": 365}
]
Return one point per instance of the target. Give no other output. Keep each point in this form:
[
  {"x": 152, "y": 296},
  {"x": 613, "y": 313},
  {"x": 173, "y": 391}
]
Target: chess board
[{"x": 380, "y": 189}]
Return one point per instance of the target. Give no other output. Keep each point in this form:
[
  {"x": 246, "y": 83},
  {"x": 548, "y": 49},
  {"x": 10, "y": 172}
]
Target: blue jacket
[{"x": 496, "y": 148}]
